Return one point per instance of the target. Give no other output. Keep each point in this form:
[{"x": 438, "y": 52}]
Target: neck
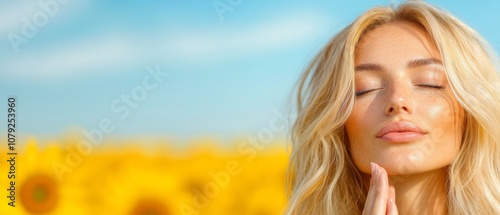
[{"x": 423, "y": 193}]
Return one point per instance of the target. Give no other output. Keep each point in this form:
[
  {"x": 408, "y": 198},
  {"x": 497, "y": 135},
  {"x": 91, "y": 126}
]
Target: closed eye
[
  {"x": 431, "y": 86},
  {"x": 362, "y": 92}
]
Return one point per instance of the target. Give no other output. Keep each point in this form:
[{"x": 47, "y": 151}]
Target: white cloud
[
  {"x": 12, "y": 12},
  {"x": 196, "y": 47},
  {"x": 283, "y": 33},
  {"x": 72, "y": 60}
]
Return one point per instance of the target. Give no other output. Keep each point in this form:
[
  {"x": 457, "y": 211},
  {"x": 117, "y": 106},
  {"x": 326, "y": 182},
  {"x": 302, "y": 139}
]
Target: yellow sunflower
[
  {"x": 131, "y": 183},
  {"x": 39, "y": 190}
]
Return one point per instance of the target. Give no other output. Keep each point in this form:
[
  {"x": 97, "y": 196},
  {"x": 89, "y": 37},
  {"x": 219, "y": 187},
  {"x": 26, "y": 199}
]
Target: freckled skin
[{"x": 398, "y": 95}]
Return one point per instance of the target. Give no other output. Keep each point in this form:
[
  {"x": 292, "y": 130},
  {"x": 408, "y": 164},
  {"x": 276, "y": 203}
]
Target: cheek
[
  {"x": 444, "y": 119},
  {"x": 362, "y": 118},
  {"x": 359, "y": 127},
  {"x": 357, "y": 122}
]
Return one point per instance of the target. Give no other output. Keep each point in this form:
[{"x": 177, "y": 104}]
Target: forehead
[{"x": 395, "y": 42}]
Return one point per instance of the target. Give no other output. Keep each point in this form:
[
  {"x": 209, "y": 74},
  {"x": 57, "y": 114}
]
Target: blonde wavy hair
[{"x": 322, "y": 177}]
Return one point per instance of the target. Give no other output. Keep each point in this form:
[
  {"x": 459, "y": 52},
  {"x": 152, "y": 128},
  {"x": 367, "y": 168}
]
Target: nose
[{"x": 399, "y": 100}]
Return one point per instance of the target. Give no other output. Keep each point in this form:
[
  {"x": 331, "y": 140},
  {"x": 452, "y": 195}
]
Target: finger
[
  {"x": 381, "y": 192},
  {"x": 391, "y": 203},
  {"x": 370, "y": 197}
]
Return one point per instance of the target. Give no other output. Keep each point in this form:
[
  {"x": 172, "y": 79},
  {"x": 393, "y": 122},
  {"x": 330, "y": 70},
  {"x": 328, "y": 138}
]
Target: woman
[{"x": 399, "y": 113}]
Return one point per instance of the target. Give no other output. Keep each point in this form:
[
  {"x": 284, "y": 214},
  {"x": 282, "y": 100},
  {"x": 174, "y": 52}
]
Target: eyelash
[
  {"x": 359, "y": 93},
  {"x": 431, "y": 86}
]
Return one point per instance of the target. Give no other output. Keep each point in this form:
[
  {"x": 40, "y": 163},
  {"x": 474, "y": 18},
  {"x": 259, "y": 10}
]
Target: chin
[
  {"x": 404, "y": 165},
  {"x": 402, "y": 168},
  {"x": 393, "y": 170}
]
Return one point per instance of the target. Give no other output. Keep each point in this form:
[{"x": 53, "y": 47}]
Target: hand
[{"x": 381, "y": 198}]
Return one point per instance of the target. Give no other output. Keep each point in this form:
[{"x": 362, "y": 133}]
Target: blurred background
[{"x": 163, "y": 107}]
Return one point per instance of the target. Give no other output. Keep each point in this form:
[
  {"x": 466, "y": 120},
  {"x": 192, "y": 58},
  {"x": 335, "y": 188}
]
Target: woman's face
[{"x": 405, "y": 116}]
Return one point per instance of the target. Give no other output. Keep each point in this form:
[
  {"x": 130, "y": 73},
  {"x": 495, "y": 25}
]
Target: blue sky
[{"x": 226, "y": 72}]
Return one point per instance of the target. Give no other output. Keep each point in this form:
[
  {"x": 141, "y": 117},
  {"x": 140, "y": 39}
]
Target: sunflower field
[{"x": 145, "y": 177}]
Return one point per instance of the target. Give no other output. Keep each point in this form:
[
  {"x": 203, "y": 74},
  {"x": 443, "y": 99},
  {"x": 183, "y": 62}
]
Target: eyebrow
[
  {"x": 410, "y": 65},
  {"x": 423, "y": 62}
]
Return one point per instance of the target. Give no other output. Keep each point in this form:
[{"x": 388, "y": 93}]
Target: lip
[{"x": 400, "y": 132}]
